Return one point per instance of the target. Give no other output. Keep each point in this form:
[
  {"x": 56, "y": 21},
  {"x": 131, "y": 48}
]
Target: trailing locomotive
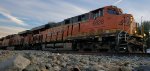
[{"x": 104, "y": 29}]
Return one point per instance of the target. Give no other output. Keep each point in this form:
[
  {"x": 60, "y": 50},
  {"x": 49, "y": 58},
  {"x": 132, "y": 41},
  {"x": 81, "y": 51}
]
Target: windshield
[{"x": 110, "y": 11}]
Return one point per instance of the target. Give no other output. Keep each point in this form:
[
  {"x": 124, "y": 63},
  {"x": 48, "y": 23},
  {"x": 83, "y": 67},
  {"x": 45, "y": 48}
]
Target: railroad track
[{"x": 102, "y": 53}]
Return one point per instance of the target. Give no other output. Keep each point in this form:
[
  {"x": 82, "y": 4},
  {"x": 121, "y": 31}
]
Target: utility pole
[
  {"x": 142, "y": 25},
  {"x": 142, "y": 33}
]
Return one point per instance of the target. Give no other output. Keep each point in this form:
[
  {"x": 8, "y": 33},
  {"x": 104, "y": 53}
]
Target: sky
[{"x": 20, "y": 15}]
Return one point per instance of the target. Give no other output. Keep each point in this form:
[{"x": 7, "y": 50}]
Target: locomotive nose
[
  {"x": 128, "y": 19},
  {"x": 129, "y": 22}
]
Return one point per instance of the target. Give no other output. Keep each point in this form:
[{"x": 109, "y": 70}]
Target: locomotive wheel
[
  {"x": 74, "y": 47},
  {"x": 85, "y": 46},
  {"x": 112, "y": 47},
  {"x": 134, "y": 49},
  {"x": 131, "y": 48}
]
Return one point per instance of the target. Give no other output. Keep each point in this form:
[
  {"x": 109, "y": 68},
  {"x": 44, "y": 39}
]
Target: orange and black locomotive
[{"x": 105, "y": 29}]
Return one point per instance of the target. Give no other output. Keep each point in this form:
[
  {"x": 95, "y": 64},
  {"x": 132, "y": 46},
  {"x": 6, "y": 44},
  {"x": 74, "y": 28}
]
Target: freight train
[{"x": 106, "y": 29}]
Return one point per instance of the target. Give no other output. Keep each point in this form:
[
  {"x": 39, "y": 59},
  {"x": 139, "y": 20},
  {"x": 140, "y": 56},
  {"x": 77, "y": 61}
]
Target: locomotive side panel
[
  {"x": 48, "y": 35},
  {"x": 15, "y": 40},
  {"x": 66, "y": 30},
  {"x": 44, "y": 35},
  {"x": 28, "y": 39},
  {"x": 5, "y": 42},
  {"x": 84, "y": 27},
  {"x": 76, "y": 29},
  {"x": 59, "y": 33},
  {"x": 53, "y": 35}
]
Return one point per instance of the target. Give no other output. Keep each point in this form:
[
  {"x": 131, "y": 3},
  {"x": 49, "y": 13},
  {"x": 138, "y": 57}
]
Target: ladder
[{"x": 122, "y": 43}]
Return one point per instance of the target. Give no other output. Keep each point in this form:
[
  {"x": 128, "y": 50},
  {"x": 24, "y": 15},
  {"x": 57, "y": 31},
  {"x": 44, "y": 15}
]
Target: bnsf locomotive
[{"x": 105, "y": 29}]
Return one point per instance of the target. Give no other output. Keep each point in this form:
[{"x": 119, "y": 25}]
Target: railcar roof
[
  {"x": 24, "y": 32},
  {"x": 43, "y": 26}
]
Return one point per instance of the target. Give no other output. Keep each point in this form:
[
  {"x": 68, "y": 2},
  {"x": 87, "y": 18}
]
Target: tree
[{"x": 146, "y": 25}]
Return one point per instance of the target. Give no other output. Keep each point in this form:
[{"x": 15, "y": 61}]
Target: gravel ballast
[{"x": 47, "y": 61}]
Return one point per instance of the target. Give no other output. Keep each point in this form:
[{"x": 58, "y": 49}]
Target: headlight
[
  {"x": 144, "y": 35},
  {"x": 135, "y": 31},
  {"x": 131, "y": 19}
]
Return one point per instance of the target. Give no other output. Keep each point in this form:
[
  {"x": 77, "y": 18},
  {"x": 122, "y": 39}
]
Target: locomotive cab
[
  {"x": 113, "y": 10},
  {"x": 119, "y": 21},
  {"x": 114, "y": 27}
]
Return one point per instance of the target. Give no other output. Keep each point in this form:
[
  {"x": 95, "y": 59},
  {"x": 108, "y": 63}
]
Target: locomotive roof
[
  {"x": 53, "y": 24},
  {"x": 24, "y": 32},
  {"x": 9, "y": 36},
  {"x": 38, "y": 28},
  {"x": 1, "y": 39},
  {"x": 43, "y": 26}
]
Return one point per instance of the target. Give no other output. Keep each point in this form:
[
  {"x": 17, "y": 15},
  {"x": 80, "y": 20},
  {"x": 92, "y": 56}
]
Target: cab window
[{"x": 110, "y": 11}]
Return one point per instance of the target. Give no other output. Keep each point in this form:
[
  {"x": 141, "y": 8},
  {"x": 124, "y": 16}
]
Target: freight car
[{"x": 105, "y": 29}]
